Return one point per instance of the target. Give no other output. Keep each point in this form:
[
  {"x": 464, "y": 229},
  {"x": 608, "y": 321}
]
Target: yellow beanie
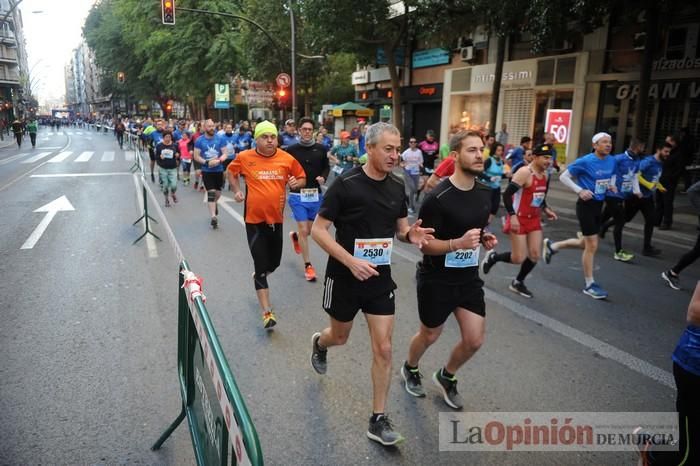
[{"x": 264, "y": 127}]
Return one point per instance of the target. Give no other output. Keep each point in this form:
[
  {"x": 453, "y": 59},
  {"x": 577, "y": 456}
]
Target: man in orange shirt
[{"x": 267, "y": 171}]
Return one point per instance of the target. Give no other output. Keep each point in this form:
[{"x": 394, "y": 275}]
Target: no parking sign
[{"x": 558, "y": 123}]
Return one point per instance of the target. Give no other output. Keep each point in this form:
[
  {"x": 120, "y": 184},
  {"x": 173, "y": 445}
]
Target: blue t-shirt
[
  {"x": 328, "y": 142},
  {"x": 287, "y": 140},
  {"x": 593, "y": 174},
  {"x": 209, "y": 149},
  {"x": 242, "y": 141},
  {"x": 177, "y": 135},
  {"x": 687, "y": 353},
  {"x": 494, "y": 173},
  {"x": 156, "y": 138},
  {"x": 516, "y": 155},
  {"x": 229, "y": 143},
  {"x": 626, "y": 168},
  {"x": 361, "y": 144},
  {"x": 650, "y": 168}
]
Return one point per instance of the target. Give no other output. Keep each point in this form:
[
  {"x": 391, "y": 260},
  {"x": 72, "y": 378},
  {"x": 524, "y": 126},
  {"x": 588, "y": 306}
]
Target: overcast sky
[{"x": 52, "y": 29}]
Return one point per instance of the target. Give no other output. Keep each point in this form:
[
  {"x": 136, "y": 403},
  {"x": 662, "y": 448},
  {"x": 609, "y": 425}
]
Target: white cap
[{"x": 599, "y": 136}]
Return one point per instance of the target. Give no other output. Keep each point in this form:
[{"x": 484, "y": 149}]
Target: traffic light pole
[{"x": 294, "y": 71}]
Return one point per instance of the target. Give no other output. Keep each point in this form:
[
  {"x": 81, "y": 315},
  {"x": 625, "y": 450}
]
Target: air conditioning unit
[
  {"x": 466, "y": 53},
  {"x": 464, "y": 41}
]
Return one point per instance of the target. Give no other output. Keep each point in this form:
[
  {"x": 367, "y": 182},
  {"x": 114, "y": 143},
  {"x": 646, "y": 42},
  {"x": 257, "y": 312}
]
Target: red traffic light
[
  {"x": 168, "y": 11},
  {"x": 121, "y": 77},
  {"x": 282, "y": 93}
]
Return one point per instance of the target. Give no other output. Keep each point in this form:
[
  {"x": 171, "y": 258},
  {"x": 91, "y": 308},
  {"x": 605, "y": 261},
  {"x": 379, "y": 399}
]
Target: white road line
[
  {"x": 85, "y": 156},
  {"x": 150, "y": 241},
  {"x": 603, "y": 349},
  {"x": 130, "y": 155},
  {"x": 224, "y": 205},
  {"x": 12, "y": 158},
  {"x": 79, "y": 132},
  {"x": 78, "y": 175},
  {"x": 61, "y": 157},
  {"x": 108, "y": 156},
  {"x": 37, "y": 157}
]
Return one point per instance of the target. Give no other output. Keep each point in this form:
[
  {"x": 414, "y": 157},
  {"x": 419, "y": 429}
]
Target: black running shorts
[
  {"x": 437, "y": 300},
  {"x": 590, "y": 216},
  {"x": 344, "y": 297},
  {"x": 213, "y": 180}
]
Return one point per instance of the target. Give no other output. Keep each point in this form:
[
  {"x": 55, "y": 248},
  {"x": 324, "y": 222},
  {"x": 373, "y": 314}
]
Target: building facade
[
  {"x": 15, "y": 86},
  {"x": 83, "y": 88}
]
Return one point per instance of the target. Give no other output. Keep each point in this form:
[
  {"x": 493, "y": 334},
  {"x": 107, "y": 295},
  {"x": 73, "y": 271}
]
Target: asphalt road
[{"x": 89, "y": 331}]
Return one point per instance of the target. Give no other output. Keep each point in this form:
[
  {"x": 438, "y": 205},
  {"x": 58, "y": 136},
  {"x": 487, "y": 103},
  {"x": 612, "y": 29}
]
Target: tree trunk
[
  {"x": 496, "y": 91},
  {"x": 652, "y": 29},
  {"x": 389, "y": 51}
]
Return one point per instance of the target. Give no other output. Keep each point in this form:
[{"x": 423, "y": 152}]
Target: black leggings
[
  {"x": 688, "y": 407},
  {"x": 687, "y": 258},
  {"x": 614, "y": 214},
  {"x": 265, "y": 243},
  {"x": 646, "y": 205}
]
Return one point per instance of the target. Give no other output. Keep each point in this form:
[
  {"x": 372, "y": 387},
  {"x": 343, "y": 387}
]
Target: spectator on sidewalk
[{"x": 672, "y": 169}]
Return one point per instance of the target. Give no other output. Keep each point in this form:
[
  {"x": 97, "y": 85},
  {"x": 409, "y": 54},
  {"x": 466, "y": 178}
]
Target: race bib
[
  {"x": 626, "y": 187},
  {"x": 601, "y": 186},
  {"x": 537, "y": 200},
  {"x": 462, "y": 258},
  {"x": 309, "y": 195},
  {"x": 495, "y": 179},
  {"x": 167, "y": 153},
  {"x": 337, "y": 169},
  {"x": 374, "y": 250}
]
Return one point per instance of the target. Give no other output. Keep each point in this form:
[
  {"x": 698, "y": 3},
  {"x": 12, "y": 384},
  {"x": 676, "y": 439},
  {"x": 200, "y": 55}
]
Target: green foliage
[{"x": 335, "y": 86}]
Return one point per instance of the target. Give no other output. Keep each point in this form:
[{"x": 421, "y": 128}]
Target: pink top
[{"x": 184, "y": 151}]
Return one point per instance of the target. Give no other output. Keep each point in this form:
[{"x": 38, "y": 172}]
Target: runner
[
  {"x": 267, "y": 171},
  {"x": 18, "y": 129},
  {"x": 492, "y": 176},
  {"x": 289, "y": 136},
  {"x": 343, "y": 155},
  {"x": 306, "y": 202},
  {"x": 32, "y": 128},
  {"x": 627, "y": 183},
  {"x": 168, "y": 156},
  {"x": 672, "y": 275},
  {"x": 593, "y": 173},
  {"x": 186, "y": 146},
  {"x": 524, "y": 199},
  {"x": 154, "y": 136},
  {"x": 448, "y": 276},
  {"x": 430, "y": 148},
  {"x": 650, "y": 172},
  {"x": 367, "y": 205},
  {"x": 208, "y": 152},
  {"x": 412, "y": 163}
]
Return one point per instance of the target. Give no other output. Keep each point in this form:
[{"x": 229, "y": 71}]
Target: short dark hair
[
  {"x": 167, "y": 132},
  {"x": 306, "y": 119},
  {"x": 457, "y": 139},
  {"x": 665, "y": 144},
  {"x": 525, "y": 139}
]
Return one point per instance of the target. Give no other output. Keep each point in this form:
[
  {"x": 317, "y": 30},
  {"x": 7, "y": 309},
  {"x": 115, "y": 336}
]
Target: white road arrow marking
[{"x": 57, "y": 205}]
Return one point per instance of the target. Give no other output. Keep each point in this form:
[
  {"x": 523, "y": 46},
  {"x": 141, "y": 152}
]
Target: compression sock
[
  {"x": 525, "y": 269},
  {"x": 502, "y": 257}
]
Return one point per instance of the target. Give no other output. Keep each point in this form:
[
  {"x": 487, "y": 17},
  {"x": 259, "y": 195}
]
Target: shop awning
[{"x": 350, "y": 109}]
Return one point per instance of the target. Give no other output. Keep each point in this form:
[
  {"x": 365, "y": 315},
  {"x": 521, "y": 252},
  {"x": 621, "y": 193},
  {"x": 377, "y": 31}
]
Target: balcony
[
  {"x": 8, "y": 38},
  {"x": 9, "y": 77},
  {"x": 8, "y": 55}
]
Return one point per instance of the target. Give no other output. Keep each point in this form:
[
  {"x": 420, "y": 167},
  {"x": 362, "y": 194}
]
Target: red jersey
[{"x": 527, "y": 202}]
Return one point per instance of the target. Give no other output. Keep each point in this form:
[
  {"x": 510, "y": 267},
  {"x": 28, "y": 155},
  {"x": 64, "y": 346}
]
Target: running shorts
[
  {"x": 590, "y": 216},
  {"x": 437, "y": 299},
  {"x": 343, "y": 297},
  {"x": 303, "y": 211},
  {"x": 213, "y": 180}
]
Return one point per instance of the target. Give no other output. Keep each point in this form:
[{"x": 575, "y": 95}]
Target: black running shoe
[
  {"x": 412, "y": 377},
  {"x": 318, "y": 356},
  {"x": 672, "y": 280},
  {"x": 214, "y": 223},
  {"x": 383, "y": 432},
  {"x": 488, "y": 262},
  {"x": 449, "y": 390},
  {"x": 520, "y": 288}
]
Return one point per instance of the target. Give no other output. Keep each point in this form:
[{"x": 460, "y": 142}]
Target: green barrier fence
[{"x": 220, "y": 426}]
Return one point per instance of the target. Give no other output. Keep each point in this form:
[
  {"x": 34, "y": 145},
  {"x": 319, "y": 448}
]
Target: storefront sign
[
  {"x": 686, "y": 63},
  {"x": 664, "y": 91},
  {"x": 360, "y": 77},
  {"x": 431, "y": 57},
  {"x": 558, "y": 122},
  {"x": 516, "y": 74},
  {"x": 431, "y": 92},
  {"x": 398, "y": 56}
]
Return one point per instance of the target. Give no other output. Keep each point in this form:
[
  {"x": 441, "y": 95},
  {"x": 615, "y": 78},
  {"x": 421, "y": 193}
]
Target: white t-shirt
[{"x": 413, "y": 158}]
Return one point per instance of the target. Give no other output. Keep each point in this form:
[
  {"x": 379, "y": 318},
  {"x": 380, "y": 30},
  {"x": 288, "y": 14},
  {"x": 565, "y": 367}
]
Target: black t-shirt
[
  {"x": 363, "y": 208},
  {"x": 170, "y": 155},
  {"x": 313, "y": 160},
  {"x": 452, "y": 212}
]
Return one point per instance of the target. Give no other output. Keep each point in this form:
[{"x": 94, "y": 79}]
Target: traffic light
[
  {"x": 282, "y": 97},
  {"x": 168, "y": 8},
  {"x": 121, "y": 77}
]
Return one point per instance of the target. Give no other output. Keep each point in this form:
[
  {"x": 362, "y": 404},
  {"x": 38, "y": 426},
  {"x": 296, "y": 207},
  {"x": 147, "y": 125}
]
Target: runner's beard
[{"x": 469, "y": 170}]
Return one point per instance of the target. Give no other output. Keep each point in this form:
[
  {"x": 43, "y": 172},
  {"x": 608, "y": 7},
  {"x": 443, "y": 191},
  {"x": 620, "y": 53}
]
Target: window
[
  {"x": 545, "y": 72},
  {"x": 566, "y": 68},
  {"x": 675, "y": 43},
  {"x": 462, "y": 80}
]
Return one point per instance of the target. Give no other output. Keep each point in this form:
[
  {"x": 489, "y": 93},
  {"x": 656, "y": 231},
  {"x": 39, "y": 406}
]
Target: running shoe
[
  {"x": 269, "y": 320},
  {"x": 651, "y": 251},
  {"x": 174, "y": 198},
  {"x": 195, "y": 185},
  {"x": 214, "y": 223},
  {"x": 310, "y": 273},
  {"x": 449, "y": 389},
  {"x": 672, "y": 280},
  {"x": 412, "y": 377},
  {"x": 318, "y": 356},
  {"x": 520, "y": 288},
  {"x": 295, "y": 241},
  {"x": 153, "y": 178},
  {"x": 488, "y": 262},
  {"x": 595, "y": 291},
  {"x": 623, "y": 256},
  {"x": 548, "y": 251},
  {"x": 382, "y": 431},
  {"x": 167, "y": 202}
]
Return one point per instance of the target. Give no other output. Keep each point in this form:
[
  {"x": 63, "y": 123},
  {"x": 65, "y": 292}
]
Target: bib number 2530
[{"x": 374, "y": 250}]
